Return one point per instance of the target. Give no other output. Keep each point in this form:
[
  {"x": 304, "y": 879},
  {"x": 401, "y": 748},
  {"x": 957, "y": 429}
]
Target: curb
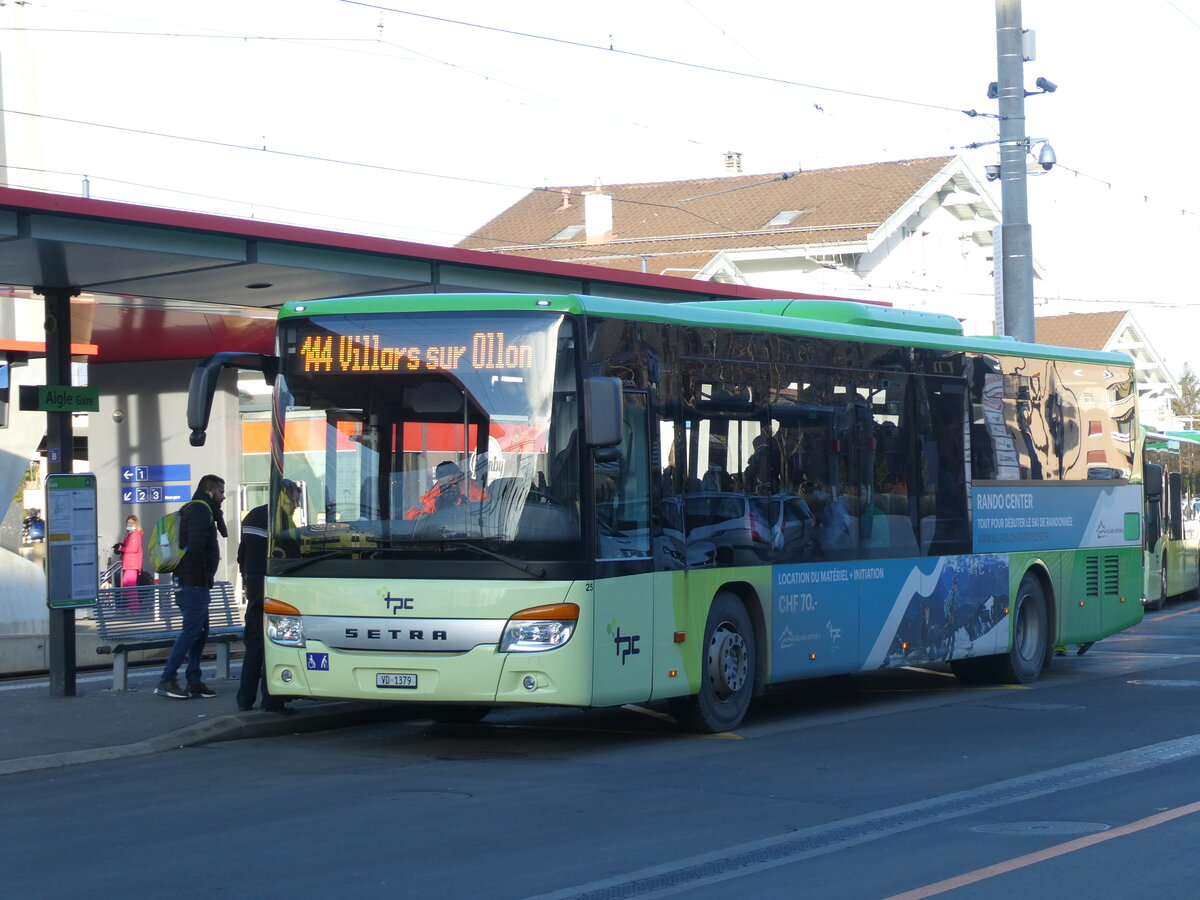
[{"x": 229, "y": 727}]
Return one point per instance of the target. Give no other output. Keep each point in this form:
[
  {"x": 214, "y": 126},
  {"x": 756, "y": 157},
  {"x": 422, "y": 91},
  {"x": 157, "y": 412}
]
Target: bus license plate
[{"x": 395, "y": 680}]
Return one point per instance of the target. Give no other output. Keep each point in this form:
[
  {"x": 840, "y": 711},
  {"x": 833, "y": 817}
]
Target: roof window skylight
[
  {"x": 786, "y": 217},
  {"x": 567, "y": 233}
]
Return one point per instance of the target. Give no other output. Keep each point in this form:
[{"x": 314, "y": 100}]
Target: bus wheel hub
[{"x": 727, "y": 666}]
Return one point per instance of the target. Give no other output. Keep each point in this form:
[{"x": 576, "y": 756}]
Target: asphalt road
[{"x": 899, "y": 785}]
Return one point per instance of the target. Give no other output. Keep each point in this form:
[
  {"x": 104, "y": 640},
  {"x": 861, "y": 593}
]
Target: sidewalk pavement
[{"x": 97, "y": 723}]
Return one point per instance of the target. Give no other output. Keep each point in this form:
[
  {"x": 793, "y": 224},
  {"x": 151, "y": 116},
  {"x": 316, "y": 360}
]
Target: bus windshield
[{"x": 427, "y": 434}]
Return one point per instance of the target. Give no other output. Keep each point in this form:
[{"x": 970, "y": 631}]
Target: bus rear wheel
[
  {"x": 727, "y": 672},
  {"x": 1026, "y": 657}
]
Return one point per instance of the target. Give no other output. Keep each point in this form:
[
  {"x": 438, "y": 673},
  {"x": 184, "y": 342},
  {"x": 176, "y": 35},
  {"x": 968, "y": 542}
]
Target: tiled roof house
[
  {"x": 1118, "y": 331},
  {"x": 916, "y": 232}
]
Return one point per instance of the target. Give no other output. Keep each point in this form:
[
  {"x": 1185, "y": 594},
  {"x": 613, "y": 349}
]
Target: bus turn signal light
[
  {"x": 557, "y": 611},
  {"x": 271, "y": 606}
]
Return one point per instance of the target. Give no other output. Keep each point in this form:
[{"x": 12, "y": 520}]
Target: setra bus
[
  {"x": 1172, "y": 543},
  {"x": 575, "y": 500}
]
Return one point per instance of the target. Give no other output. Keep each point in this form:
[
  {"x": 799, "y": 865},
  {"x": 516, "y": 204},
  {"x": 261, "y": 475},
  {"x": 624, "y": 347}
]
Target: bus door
[{"x": 625, "y": 582}]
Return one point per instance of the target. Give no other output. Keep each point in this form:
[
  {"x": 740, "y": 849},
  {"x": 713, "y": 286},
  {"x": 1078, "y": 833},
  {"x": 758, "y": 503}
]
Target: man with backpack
[{"x": 200, "y": 520}]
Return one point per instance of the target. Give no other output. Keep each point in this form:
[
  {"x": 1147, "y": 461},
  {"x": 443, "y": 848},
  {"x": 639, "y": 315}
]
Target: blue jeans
[{"x": 193, "y": 601}]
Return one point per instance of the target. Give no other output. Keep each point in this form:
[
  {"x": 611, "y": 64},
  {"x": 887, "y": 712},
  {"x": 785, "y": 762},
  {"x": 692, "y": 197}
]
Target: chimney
[
  {"x": 733, "y": 161},
  {"x": 597, "y": 215}
]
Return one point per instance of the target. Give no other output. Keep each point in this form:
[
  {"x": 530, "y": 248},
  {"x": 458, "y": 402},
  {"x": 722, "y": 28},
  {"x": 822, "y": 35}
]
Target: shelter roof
[{"x": 165, "y": 284}]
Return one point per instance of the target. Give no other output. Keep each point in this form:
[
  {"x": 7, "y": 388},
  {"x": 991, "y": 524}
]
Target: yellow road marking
[{"x": 1029, "y": 859}]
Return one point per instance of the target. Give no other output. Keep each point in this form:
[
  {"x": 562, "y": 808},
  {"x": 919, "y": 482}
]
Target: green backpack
[{"x": 164, "y": 550}]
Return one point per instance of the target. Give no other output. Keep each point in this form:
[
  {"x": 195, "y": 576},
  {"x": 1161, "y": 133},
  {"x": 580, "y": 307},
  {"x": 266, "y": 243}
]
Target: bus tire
[
  {"x": 1031, "y": 646},
  {"x": 1030, "y": 634},
  {"x": 727, "y": 670}
]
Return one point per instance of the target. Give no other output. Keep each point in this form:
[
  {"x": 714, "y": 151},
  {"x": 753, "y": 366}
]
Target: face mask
[{"x": 131, "y": 528}]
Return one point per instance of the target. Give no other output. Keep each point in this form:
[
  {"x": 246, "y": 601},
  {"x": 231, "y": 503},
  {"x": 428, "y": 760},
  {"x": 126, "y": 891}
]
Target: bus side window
[
  {"x": 943, "y": 498},
  {"x": 622, "y": 489},
  {"x": 1175, "y": 505}
]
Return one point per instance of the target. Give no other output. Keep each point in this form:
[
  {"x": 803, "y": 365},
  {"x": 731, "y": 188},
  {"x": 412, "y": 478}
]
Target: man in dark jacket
[
  {"x": 199, "y": 521},
  {"x": 252, "y": 560}
]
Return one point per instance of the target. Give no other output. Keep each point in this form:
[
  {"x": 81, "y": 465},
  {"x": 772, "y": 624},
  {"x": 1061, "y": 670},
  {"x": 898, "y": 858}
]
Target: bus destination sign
[{"x": 366, "y": 353}]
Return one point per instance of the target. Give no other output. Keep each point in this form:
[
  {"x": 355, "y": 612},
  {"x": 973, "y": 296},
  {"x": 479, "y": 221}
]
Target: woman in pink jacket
[{"x": 131, "y": 552}]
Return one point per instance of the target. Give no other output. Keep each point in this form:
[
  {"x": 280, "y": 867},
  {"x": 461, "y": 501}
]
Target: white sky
[{"x": 400, "y": 120}]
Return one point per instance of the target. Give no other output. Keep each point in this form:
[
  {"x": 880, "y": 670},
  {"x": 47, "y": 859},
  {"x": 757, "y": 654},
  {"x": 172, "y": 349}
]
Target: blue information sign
[
  {"x": 156, "y": 474},
  {"x": 165, "y": 493}
]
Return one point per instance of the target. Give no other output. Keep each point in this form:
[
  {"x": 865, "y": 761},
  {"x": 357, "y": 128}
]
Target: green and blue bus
[
  {"x": 685, "y": 502},
  {"x": 1172, "y": 543}
]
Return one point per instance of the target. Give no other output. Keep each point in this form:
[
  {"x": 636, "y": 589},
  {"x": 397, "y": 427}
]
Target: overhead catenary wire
[
  {"x": 392, "y": 169},
  {"x": 330, "y": 41},
  {"x": 650, "y": 57}
]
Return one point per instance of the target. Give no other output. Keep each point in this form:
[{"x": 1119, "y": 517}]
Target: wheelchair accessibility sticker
[{"x": 316, "y": 662}]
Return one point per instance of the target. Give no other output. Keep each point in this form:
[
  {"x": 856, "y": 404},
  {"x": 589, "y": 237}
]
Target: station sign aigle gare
[{"x": 58, "y": 398}]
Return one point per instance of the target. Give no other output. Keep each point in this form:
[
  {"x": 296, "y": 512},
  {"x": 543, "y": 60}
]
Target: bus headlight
[
  {"x": 539, "y": 628},
  {"x": 285, "y": 624}
]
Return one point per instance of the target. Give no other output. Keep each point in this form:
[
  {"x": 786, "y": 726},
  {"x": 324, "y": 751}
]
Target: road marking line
[
  {"x": 1182, "y": 612},
  {"x": 740, "y": 860},
  {"x": 1030, "y": 859}
]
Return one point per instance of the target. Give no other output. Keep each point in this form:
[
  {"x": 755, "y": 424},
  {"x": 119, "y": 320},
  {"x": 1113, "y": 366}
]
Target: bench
[{"x": 146, "y": 618}]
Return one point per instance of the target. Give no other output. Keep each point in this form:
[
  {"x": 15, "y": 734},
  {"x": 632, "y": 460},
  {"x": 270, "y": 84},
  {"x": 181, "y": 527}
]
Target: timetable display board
[{"x": 72, "y": 557}]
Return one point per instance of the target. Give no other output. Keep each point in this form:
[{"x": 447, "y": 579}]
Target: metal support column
[{"x": 60, "y": 456}]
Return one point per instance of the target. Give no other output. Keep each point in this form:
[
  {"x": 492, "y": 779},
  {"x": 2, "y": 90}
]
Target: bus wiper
[
  {"x": 293, "y": 565},
  {"x": 535, "y": 571}
]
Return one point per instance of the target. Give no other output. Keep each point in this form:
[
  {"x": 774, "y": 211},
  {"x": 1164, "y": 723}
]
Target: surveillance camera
[
  {"x": 993, "y": 90},
  {"x": 1045, "y": 84},
  {"x": 1046, "y": 158},
  {"x": 993, "y": 171}
]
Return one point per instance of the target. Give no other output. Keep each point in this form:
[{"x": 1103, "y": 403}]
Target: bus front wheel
[{"x": 727, "y": 670}]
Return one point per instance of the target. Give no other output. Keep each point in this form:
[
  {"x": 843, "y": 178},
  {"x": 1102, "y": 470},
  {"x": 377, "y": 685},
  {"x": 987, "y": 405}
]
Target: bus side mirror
[
  {"x": 603, "y": 413},
  {"x": 204, "y": 385},
  {"x": 1153, "y": 481}
]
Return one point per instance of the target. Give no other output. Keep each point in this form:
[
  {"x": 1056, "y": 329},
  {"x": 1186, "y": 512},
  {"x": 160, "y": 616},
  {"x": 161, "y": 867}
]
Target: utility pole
[{"x": 1016, "y": 237}]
